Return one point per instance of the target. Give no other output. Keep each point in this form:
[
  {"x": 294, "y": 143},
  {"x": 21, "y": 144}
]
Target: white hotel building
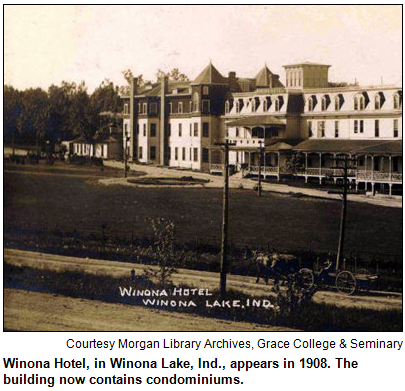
[{"x": 178, "y": 124}]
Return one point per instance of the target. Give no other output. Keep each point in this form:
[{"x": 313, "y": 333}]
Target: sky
[{"x": 44, "y": 45}]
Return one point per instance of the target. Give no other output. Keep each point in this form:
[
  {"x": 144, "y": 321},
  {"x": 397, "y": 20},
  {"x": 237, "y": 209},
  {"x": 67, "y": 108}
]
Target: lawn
[{"x": 284, "y": 222}]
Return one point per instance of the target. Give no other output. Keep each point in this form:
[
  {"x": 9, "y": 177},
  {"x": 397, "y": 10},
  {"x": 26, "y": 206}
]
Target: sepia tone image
[{"x": 203, "y": 168}]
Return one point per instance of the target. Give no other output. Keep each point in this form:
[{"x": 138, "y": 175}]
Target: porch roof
[
  {"x": 350, "y": 146},
  {"x": 257, "y": 120}
]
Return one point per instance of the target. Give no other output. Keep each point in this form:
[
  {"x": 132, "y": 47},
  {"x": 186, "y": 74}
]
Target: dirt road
[
  {"x": 32, "y": 311},
  {"x": 207, "y": 280}
]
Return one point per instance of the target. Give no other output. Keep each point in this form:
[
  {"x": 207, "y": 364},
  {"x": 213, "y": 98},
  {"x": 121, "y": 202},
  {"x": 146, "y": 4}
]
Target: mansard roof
[{"x": 210, "y": 75}]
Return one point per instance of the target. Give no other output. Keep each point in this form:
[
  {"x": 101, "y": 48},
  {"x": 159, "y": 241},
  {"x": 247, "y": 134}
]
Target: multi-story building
[{"x": 309, "y": 119}]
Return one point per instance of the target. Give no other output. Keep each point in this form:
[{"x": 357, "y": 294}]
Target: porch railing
[
  {"x": 264, "y": 169},
  {"x": 216, "y": 167}
]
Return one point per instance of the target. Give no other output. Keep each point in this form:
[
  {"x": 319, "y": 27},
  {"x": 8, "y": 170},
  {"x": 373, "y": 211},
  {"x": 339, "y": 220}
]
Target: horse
[{"x": 272, "y": 264}]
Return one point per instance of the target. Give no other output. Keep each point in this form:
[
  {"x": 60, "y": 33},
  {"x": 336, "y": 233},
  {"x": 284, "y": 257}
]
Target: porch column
[
  {"x": 306, "y": 167},
  {"x": 390, "y": 170},
  {"x": 320, "y": 168},
  {"x": 372, "y": 168}
]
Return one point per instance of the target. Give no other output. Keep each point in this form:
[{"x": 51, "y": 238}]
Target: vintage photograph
[{"x": 202, "y": 168}]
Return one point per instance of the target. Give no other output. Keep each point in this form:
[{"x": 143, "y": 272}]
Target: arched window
[
  {"x": 310, "y": 104},
  {"x": 356, "y": 103},
  {"x": 377, "y": 102},
  {"x": 227, "y": 107},
  {"x": 361, "y": 102},
  {"x": 337, "y": 103},
  {"x": 397, "y": 101},
  {"x": 324, "y": 103}
]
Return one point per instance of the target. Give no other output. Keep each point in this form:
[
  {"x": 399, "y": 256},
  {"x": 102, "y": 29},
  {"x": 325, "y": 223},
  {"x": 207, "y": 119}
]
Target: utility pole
[
  {"x": 259, "y": 179},
  {"x": 224, "y": 242},
  {"x": 126, "y": 156},
  {"x": 344, "y": 191}
]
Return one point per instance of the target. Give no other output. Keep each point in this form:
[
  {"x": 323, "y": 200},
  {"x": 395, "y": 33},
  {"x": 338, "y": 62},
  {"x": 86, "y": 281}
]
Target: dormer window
[
  {"x": 377, "y": 102},
  {"x": 227, "y": 107},
  {"x": 278, "y": 104},
  {"x": 397, "y": 101},
  {"x": 311, "y": 104},
  {"x": 153, "y": 108},
  {"x": 126, "y": 108},
  {"x": 180, "y": 107},
  {"x": 237, "y": 107},
  {"x": 145, "y": 108},
  {"x": 338, "y": 102},
  {"x": 325, "y": 102},
  {"x": 206, "y": 90},
  {"x": 170, "y": 108},
  {"x": 196, "y": 102}
]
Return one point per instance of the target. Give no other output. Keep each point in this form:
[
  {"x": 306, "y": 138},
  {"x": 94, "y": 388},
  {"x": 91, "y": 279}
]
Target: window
[
  {"x": 152, "y": 153},
  {"x": 137, "y": 128},
  {"x": 180, "y": 130},
  {"x": 361, "y": 102},
  {"x": 152, "y": 130},
  {"x": 377, "y": 128},
  {"x": 356, "y": 126},
  {"x": 206, "y": 90},
  {"x": 196, "y": 154},
  {"x": 176, "y": 153},
  {"x": 139, "y": 108},
  {"x": 356, "y": 103},
  {"x": 184, "y": 153},
  {"x": 191, "y": 129},
  {"x": 205, "y": 155},
  {"x": 377, "y": 102},
  {"x": 144, "y": 130},
  {"x": 237, "y": 132},
  {"x": 196, "y": 102},
  {"x": 310, "y": 132},
  {"x": 126, "y": 130},
  {"x": 170, "y": 108},
  {"x": 321, "y": 129},
  {"x": 361, "y": 126},
  {"x": 324, "y": 104},
  {"x": 206, "y": 129},
  {"x": 376, "y": 163},
  {"x": 195, "y": 129},
  {"x": 337, "y": 103},
  {"x": 237, "y": 106},
  {"x": 397, "y": 102},
  {"x": 180, "y": 107},
  {"x": 227, "y": 107},
  {"x": 145, "y": 108},
  {"x": 336, "y": 129},
  {"x": 190, "y": 107},
  {"x": 153, "y": 108},
  {"x": 140, "y": 152},
  {"x": 277, "y": 104},
  {"x": 205, "y": 106},
  {"x": 126, "y": 108},
  {"x": 169, "y": 130},
  {"x": 190, "y": 153},
  {"x": 395, "y": 128},
  {"x": 310, "y": 104}
]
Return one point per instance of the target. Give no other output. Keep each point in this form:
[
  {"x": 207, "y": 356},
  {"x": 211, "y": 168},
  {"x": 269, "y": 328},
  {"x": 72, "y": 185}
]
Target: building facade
[{"x": 308, "y": 121}]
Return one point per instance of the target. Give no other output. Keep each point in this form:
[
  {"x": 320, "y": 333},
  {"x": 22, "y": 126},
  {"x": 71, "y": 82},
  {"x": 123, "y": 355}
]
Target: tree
[
  {"x": 163, "y": 247},
  {"x": 12, "y": 112},
  {"x": 173, "y": 75}
]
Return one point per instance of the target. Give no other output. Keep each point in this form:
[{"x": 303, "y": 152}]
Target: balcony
[{"x": 379, "y": 176}]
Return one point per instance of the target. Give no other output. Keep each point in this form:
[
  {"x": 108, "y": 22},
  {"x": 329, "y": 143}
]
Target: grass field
[{"x": 287, "y": 223}]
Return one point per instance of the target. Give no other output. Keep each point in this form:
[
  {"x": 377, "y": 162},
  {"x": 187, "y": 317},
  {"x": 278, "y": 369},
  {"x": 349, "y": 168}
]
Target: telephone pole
[
  {"x": 224, "y": 241},
  {"x": 259, "y": 179},
  {"x": 126, "y": 156},
  {"x": 344, "y": 191}
]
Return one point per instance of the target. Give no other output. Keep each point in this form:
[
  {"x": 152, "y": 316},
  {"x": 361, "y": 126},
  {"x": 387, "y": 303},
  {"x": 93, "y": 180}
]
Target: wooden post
[{"x": 126, "y": 156}]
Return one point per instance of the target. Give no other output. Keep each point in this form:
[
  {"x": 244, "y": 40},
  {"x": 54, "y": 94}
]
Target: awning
[
  {"x": 350, "y": 146},
  {"x": 257, "y": 120}
]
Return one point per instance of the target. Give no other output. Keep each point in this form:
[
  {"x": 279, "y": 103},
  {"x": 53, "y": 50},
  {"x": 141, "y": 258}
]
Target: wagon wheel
[
  {"x": 346, "y": 282},
  {"x": 306, "y": 278}
]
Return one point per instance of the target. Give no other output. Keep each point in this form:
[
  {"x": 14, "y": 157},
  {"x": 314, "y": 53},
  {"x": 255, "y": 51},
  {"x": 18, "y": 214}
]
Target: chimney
[{"x": 232, "y": 82}]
